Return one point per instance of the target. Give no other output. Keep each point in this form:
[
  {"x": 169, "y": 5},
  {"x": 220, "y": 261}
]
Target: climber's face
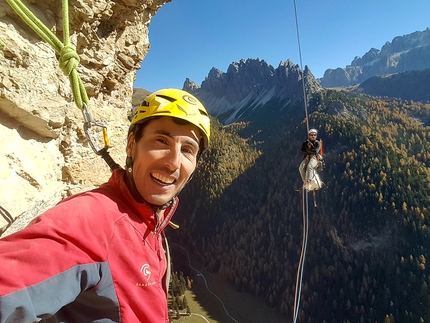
[
  {"x": 312, "y": 135},
  {"x": 163, "y": 159}
]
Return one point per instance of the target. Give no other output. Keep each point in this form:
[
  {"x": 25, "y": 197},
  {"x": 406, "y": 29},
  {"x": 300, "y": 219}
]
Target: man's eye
[
  {"x": 188, "y": 151},
  {"x": 162, "y": 140}
]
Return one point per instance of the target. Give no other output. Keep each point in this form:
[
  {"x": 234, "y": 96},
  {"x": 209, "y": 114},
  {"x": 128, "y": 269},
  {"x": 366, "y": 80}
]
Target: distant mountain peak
[
  {"x": 405, "y": 53},
  {"x": 190, "y": 85},
  {"x": 250, "y": 83}
]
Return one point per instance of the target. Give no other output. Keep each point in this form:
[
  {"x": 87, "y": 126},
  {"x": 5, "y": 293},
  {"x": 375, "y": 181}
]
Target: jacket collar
[{"x": 144, "y": 210}]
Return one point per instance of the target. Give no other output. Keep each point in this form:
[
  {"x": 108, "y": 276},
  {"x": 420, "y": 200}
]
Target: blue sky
[{"x": 189, "y": 37}]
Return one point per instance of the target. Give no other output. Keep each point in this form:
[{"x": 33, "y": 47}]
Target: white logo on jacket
[{"x": 145, "y": 271}]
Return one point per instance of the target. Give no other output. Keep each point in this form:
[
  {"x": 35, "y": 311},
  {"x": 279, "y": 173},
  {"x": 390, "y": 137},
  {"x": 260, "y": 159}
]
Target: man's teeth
[{"x": 163, "y": 179}]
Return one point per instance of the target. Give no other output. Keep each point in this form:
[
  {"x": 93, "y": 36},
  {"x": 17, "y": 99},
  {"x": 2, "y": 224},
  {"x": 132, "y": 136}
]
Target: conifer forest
[{"x": 369, "y": 234}]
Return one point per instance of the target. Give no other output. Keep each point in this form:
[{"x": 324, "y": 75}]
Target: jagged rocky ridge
[
  {"x": 404, "y": 53},
  {"x": 249, "y": 85}
]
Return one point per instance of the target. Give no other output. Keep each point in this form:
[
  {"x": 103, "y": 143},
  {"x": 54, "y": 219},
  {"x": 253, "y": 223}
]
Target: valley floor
[{"x": 243, "y": 308}]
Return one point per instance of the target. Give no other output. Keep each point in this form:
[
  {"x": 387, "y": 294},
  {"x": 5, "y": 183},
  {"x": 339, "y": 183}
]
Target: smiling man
[{"x": 98, "y": 256}]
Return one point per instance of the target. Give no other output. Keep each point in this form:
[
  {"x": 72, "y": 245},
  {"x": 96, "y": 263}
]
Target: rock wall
[{"x": 45, "y": 155}]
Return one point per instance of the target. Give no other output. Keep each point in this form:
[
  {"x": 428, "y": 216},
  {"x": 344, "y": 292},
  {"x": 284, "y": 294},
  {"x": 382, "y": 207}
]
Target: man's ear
[{"x": 130, "y": 145}]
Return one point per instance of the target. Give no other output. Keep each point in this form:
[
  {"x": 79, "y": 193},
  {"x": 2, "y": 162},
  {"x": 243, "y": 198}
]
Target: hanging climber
[
  {"x": 99, "y": 256},
  {"x": 311, "y": 161}
]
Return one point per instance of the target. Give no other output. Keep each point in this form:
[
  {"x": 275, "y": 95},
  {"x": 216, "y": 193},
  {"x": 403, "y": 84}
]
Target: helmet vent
[
  {"x": 168, "y": 98},
  {"x": 203, "y": 113},
  {"x": 182, "y": 109}
]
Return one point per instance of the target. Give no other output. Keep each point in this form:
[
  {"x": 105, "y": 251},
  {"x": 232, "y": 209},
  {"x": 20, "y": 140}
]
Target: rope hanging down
[
  {"x": 305, "y": 201},
  {"x": 299, "y": 278},
  {"x": 68, "y": 62},
  {"x": 301, "y": 68}
]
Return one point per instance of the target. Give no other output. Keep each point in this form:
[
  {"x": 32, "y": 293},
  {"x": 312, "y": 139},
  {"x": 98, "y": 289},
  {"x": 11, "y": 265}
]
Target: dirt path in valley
[{"x": 240, "y": 307}]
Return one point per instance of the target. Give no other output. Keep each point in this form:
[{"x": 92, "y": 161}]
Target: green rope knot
[{"x": 69, "y": 59}]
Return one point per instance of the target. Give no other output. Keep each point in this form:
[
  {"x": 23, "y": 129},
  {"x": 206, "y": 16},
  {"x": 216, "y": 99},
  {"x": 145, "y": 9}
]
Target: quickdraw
[{"x": 103, "y": 152}]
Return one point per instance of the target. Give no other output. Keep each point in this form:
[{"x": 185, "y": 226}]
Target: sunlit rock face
[{"x": 45, "y": 155}]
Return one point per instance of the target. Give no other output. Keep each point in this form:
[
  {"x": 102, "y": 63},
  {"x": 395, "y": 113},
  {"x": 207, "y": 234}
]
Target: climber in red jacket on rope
[{"x": 311, "y": 161}]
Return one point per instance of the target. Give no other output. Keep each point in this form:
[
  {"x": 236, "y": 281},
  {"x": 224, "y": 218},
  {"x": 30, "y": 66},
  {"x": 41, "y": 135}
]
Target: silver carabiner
[{"x": 88, "y": 124}]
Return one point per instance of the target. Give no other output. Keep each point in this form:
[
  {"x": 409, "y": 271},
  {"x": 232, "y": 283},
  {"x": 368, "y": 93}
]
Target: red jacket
[{"x": 95, "y": 257}]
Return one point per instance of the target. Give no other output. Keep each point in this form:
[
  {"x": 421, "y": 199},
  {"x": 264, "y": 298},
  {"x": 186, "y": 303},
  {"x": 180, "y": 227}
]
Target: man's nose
[{"x": 174, "y": 158}]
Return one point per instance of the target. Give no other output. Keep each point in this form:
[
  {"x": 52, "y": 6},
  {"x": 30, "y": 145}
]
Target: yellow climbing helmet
[{"x": 177, "y": 104}]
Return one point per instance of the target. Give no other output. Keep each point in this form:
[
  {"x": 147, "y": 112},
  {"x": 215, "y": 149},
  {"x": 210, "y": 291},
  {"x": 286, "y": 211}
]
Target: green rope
[
  {"x": 2, "y": 44},
  {"x": 69, "y": 58}
]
